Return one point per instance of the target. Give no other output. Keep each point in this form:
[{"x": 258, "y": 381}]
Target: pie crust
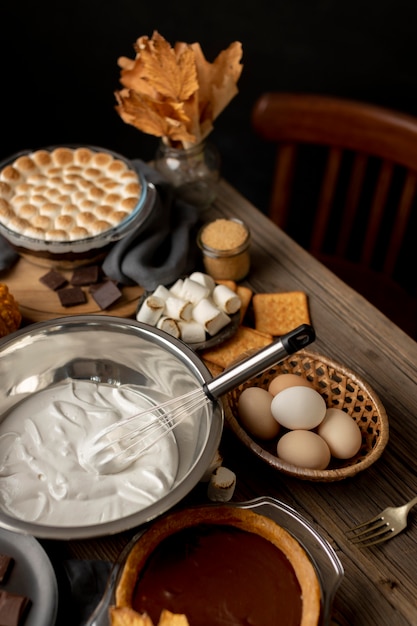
[{"x": 224, "y": 515}]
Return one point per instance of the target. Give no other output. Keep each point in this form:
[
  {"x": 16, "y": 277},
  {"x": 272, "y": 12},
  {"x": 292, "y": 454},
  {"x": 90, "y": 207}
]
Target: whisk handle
[{"x": 285, "y": 345}]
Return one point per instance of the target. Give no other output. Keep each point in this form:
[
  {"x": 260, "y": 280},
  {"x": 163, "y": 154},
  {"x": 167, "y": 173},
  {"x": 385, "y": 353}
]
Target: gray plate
[
  {"x": 32, "y": 575},
  {"x": 226, "y": 333}
]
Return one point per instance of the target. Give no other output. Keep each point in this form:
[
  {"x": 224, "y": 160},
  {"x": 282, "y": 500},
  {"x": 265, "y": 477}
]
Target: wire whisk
[{"x": 120, "y": 444}]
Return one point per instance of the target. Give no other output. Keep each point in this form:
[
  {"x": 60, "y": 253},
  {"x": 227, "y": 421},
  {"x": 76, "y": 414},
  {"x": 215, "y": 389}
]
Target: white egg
[
  {"x": 298, "y": 407},
  {"x": 341, "y": 432},
  {"x": 304, "y": 448},
  {"x": 254, "y": 407}
]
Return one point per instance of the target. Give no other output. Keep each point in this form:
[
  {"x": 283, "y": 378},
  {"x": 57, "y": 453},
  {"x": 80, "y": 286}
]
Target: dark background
[{"x": 59, "y": 66}]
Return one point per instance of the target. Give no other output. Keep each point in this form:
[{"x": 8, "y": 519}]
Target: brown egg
[
  {"x": 304, "y": 448},
  {"x": 254, "y": 406},
  {"x": 283, "y": 381}
]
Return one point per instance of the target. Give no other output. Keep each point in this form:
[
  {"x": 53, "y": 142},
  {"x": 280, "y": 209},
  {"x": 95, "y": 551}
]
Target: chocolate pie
[{"x": 220, "y": 565}]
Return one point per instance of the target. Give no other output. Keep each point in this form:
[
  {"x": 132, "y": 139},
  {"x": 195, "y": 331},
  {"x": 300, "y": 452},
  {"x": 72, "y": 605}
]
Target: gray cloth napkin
[
  {"x": 8, "y": 256},
  {"x": 164, "y": 247}
]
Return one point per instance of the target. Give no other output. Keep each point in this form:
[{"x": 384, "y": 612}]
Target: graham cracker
[
  {"x": 245, "y": 295},
  {"x": 279, "y": 313},
  {"x": 243, "y": 341}
]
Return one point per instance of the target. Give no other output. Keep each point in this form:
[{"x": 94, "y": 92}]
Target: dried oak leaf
[
  {"x": 217, "y": 82},
  {"x": 160, "y": 83},
  {"x": 159, "y": 70},
  {"x": 162, "y": 119},
  {"x": 175, "y": 92}
]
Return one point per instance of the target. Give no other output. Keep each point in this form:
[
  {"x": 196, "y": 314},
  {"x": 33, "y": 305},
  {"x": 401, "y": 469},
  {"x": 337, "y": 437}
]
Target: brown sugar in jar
[{"x": 225, "y": 247}]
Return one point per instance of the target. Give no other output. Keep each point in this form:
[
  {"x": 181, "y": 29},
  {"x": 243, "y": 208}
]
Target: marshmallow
[
  {"x": 192, "y": 331},
  {"x": 194, "y": 291},
  {"x": 169, "y": 325},
  {"x": 162, "y": 292},
  {"x": 151, "y": 310},
  {"x": 226, "y": 299},
  {"x": 204, "y": 279},
  {"x": 210, "y": 317},
  {"x": 178, "y": 309},
  {"x": 176, "y": 288},
  {"x": 222, "y": 485}
]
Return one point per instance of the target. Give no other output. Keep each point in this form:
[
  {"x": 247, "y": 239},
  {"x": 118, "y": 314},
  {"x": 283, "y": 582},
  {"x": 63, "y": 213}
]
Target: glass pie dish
[
  {"x": 325, "y": 561},
  {"x": 86, "y": 248}
]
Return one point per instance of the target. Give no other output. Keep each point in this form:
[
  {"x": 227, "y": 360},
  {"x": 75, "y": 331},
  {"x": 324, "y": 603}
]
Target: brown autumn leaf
[
  {"x": 162, "y": 119},
  {"x": 174, "y": 92},
  {"x": 160, "y": 70},
  {"x": 217, "y": 82}
]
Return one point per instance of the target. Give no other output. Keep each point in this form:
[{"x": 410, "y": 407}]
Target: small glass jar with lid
[{"x": 224, "y": 244}]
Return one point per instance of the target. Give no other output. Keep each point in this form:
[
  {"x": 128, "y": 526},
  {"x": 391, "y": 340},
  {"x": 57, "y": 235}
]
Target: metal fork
[{"x": 386, "y": 525}]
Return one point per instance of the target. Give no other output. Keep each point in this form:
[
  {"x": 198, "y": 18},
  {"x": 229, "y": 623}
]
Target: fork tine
[
  {"x": 375, "y": 531},
  {"x": 377, "y": 518},
  {"x": 367, "y": 527},
  {"x": 379, "y": 538}
]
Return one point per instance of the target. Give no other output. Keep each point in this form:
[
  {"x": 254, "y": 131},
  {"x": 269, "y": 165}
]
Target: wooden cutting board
[{"x": 38, "y": 303}]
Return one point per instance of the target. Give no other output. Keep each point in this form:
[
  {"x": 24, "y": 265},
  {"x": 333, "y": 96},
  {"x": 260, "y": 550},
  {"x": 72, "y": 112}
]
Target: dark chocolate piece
[
  {"x": 106, "y": 294},
  {"x": 85, "y": 275},
  {"x": 12, "y": 608},
  {"x": 72, "y": 296},
  {"x": 53, "y": 279},
  {"x": 105, "y": 279},
  {"x": 6, "y": 564}
]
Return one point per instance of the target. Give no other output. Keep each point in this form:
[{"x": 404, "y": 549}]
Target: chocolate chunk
[
  {"x": 85, "y": 275},
  {"x": 53, "y": 279},
  {"x": 106, "y": 294},
  {"x": 72, "y": 296},
  {"x": 6, "y": 564},
  {"x": 12, "y": 608}
]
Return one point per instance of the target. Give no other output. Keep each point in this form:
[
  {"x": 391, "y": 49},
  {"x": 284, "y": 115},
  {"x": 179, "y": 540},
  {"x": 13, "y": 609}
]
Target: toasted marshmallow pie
[{"x": 81, "y": 191}]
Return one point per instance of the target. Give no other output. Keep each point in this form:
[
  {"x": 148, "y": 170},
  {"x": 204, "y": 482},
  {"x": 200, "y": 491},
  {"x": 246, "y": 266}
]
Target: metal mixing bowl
[{"x": 112, "y": 351}]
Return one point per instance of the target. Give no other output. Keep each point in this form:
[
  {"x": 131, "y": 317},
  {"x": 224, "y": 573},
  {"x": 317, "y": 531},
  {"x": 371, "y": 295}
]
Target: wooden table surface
[{"x": 380, "y": 583}]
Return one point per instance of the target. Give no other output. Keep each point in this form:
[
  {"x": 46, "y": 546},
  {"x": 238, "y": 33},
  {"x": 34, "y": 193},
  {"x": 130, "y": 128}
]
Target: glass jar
[
  {"x": 194, "y": 172},
  {"x": 225, "y": 247}
]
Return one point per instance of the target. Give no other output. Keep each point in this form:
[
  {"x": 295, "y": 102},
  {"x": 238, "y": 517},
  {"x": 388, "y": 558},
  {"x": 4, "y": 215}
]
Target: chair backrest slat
[
  {"x": 408, "y": 195},
  {"x": 282, "y": 187},
  {"x": 355, "y": 200},
  {"x": 353, "y": 195},
  {"x": 382, "y": 188},
  {"x": 325, "y": 202}
]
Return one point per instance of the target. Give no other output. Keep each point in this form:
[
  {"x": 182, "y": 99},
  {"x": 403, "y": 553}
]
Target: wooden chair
[{"x": 344, "y": 186}]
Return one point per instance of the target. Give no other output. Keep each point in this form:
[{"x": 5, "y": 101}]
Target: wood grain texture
[
  {"x": 380, "y": 585},
  {"x": 38, "y": 303}
]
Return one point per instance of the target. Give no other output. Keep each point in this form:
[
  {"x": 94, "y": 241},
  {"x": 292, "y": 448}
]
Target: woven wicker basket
[{"x": 341, "y": 388}]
